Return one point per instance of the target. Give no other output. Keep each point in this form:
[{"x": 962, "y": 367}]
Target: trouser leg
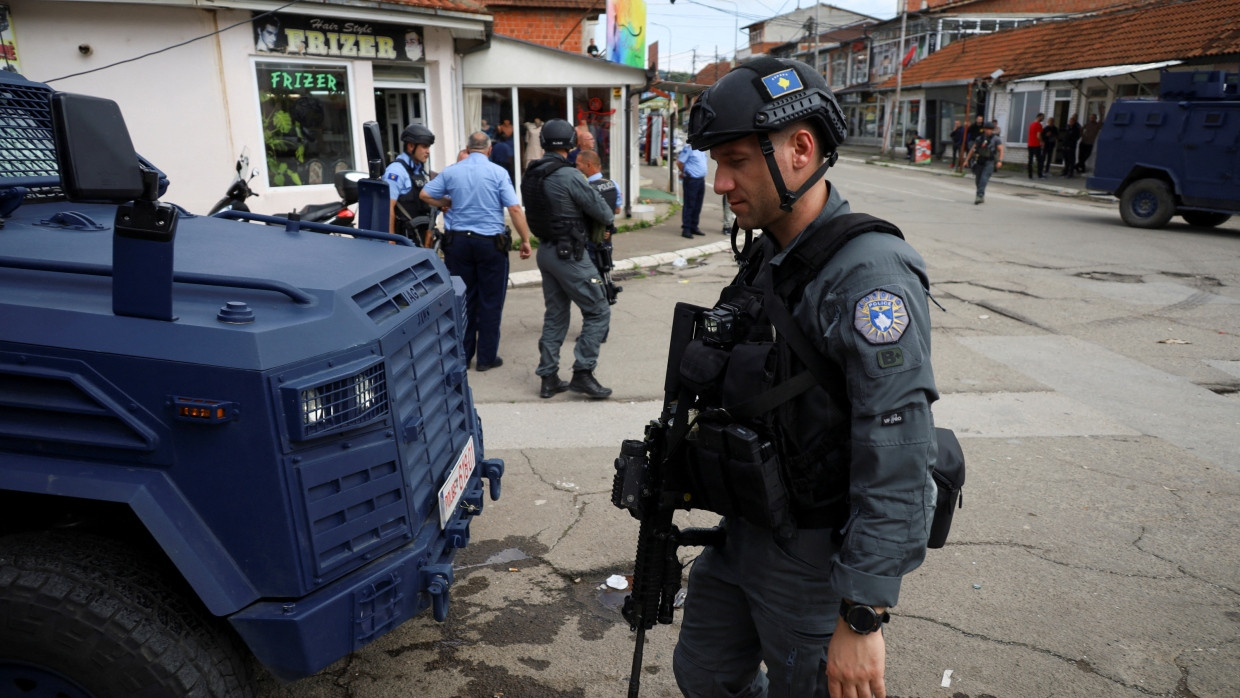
[
  {"x": 577, "y": 281},
  {"x": 492, "y": 280},
  {"x": 556, "y": 307},
  {"x": 983, "y": 177},
  {"x": 783, "y": 615},
  {"x": 695, "y": 192},
  {"x": 458, "y": 257}
]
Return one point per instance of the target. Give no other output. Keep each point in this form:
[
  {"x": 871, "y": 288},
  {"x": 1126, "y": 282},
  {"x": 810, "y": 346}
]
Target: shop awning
[{"x": 1099, "y": 72}]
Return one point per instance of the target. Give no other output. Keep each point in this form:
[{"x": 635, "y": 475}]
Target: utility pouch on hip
[
  {"x": 503, "y": 242},
  {"x": 949, "y": 478},
  {"x": 563, "y": 248}
]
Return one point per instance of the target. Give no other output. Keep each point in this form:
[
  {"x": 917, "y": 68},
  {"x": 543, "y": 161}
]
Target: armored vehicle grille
[
  {"x": 26, "y": 146},
  {"x": 399, "y": 291}
]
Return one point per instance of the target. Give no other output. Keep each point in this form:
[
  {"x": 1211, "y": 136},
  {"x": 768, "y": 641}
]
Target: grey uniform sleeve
[
  {"x": 587, "y": 199},
  {"x": 877, "y": 328}
]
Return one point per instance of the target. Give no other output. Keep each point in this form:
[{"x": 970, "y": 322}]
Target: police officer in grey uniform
[
  {"x": 406, "y": 176},
  {"x": 809, "y": 597},
  {"x": 560, "y": 206}
]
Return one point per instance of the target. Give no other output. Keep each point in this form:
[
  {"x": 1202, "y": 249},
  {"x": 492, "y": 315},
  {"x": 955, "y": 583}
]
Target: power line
[{"x": 169, "y": 48}]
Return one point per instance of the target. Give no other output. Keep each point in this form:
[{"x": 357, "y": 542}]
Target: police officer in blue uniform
[
  {"x": 406, "y": 176},
  {"x": 474, "y": 193},
  {"x": 692, "y": 165},
  {"x": 809, "y": 597},
  {"x": 561, "y": 206}
]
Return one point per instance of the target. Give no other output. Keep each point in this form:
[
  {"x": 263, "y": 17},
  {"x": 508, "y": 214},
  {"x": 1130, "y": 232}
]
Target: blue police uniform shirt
[
  {"x": 397, "y": 177},
  {"x": 599, "y": 175},
  {"x": 480, "y": 192},
  {"x": 694, "y": 162}
]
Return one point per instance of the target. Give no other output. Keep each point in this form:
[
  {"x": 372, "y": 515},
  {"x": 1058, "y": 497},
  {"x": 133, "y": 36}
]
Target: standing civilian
[
  {"x": 1034, "y": 143},
  {"x": 1071, "y": 136},
  {"x": 1089, "y": 136}
]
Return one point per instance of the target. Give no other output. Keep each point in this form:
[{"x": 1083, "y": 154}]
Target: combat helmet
[
  {"x": 417, "y": 133},
  {"x": 762, "y": 97},
  {"x": 558, "y": 134}
]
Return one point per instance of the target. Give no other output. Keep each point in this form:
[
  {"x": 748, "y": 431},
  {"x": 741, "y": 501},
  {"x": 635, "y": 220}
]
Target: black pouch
[
  {"x": 702, "y": 367},
  {"x": 949, "y": 478},
  {"x": 750, "y": 372},
  {"x": 753, "y": 473},
  {"x": 563, "y": 248},
  {"x": 709, "y": 488},
  {"x": 503, "y": 242}
]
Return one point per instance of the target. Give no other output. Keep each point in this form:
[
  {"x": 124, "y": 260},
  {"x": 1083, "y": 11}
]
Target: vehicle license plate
[{"x": 454, "y": 487}]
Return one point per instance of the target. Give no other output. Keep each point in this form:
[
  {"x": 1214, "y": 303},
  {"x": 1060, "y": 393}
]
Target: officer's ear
[{"x": 803, "y": 144}]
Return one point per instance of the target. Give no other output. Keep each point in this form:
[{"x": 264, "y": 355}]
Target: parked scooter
[
  {"x": 239, "y": 190},
  {"x": 336, "y": 212}
]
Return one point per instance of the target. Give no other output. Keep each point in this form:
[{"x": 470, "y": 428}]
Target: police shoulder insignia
[
  {"x": 393, "y": 176},
  {"x": 782, "y": 83},
  {"x": 881, "y": 317}
]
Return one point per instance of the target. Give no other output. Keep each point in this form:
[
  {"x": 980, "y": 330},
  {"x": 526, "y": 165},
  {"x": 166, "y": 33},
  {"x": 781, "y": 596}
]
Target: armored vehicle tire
[
  {"x": 1147, "y": 203},
  {"x": 1205, "y": 219},
  {"x": 86, "y": 617}
]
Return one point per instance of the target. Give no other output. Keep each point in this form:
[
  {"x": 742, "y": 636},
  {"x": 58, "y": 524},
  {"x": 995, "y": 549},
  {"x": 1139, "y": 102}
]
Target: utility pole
[{"x": 894, "y": 113}]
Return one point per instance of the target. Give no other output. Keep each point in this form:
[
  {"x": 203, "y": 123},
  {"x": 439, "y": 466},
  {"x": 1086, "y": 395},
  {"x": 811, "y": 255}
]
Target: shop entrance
[{"x": 396, "y": 108}]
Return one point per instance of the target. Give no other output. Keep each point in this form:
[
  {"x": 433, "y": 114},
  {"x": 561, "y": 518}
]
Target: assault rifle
[
  {"x": 600, "y": 254},
  {"x": 650, "y": 482}
]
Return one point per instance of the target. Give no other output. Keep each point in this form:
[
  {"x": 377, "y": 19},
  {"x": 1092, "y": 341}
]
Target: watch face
[{"x": 862, "y": 619}]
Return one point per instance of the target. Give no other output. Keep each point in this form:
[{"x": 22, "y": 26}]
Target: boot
[
  {"x": 551, "y": 385},
  {"x": 584, "y": 382}
]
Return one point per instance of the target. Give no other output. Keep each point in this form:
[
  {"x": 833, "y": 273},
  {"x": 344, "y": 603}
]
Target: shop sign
[{"x": 335, "y": 37}]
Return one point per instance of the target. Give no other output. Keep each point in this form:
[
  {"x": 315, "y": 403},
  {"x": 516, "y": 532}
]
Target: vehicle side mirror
[
  {"x": 93, "y": 149},
  {"x": 374, "y": 149}
]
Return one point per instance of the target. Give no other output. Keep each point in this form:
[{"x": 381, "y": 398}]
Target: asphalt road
[{"x": 1092, "y": 372}]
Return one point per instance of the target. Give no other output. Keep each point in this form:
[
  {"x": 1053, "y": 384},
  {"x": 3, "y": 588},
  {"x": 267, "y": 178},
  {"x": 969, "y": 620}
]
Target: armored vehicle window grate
[
  {"x": 397, "y": 292},
  {"x": 344, "y": 403},
  {"x": 1154, "y": 118},
  {"x": 26, "y": 146},
  {"x": 1213, "y": 119}
]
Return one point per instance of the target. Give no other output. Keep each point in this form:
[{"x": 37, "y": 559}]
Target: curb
[{"x": 533, "y": 276}]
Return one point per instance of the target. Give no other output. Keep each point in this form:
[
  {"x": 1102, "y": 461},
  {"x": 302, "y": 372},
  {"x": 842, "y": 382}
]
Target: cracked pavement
[{"x": 1093, "y": 374}]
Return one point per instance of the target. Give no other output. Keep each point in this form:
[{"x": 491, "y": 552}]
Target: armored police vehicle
[
  {"x": 218, "y": 440},
  {"x": 1179, "y": 155}
]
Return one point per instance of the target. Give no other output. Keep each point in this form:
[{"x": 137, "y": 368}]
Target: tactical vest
[
  {"x": 608, "y": 190},
  {"x": 410, "y": 202},
  {"x": 546, "y": 225},
  {"x": 771, "y": 437},
  {"x": 989, "y": 149}
]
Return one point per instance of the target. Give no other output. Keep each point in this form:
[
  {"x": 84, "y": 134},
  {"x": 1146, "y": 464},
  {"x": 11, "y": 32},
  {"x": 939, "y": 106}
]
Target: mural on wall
[
  {"x": 626, "y": 32},
  {"x": 8, "y": 42},
  {"x": 331, "y": 37}
]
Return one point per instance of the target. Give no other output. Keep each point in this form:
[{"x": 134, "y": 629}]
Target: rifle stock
[{"x": 646, "y": 484}]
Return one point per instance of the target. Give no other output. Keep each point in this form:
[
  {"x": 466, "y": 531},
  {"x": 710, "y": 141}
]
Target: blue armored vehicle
[
  {"x": 219, "y": 440},
  {"x": 1178, "y": 155}
]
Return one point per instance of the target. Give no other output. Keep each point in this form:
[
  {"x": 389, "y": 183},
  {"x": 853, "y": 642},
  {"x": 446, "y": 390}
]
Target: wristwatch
[{"x": 861, "y": 618}]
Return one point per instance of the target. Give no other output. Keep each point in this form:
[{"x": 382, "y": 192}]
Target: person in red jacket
[{"x": 1035, "y": 146}]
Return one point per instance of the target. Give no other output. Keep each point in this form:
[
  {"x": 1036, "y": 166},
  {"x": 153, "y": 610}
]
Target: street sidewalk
[{"x": 661, "y": 243}]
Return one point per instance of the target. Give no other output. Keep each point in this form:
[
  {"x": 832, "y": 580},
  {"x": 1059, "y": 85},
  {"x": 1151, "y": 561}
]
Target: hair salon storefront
[{"x": 289, "y": 89}]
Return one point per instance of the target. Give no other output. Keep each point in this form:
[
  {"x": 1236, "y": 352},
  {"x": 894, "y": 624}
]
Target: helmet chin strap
[{"x": 786, "y": 198}]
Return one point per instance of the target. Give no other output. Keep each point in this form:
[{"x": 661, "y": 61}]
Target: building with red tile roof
[{"x": 1073, "y": 66}]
